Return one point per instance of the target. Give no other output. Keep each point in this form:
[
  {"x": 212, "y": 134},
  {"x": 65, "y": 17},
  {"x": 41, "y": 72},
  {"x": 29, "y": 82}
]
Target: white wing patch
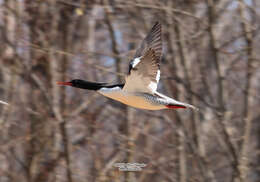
[
  {"x": 136, "y": 61},
  {"x": 152, "y": 86},
  {"x": 158, "y": 76},
  {"x": 136, "y": 82}
]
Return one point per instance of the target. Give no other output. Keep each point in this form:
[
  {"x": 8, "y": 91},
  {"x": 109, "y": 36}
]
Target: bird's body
[
  {"x": 139, "y": 89},
  {"x": 134, "y": 99},
  {"x": 142, "y": 100}
]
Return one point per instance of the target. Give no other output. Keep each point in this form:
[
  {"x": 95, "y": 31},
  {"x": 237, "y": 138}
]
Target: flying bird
[{"x": 139, "y": 89}]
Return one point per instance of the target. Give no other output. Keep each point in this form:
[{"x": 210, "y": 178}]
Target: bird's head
[{"x": 83, "y": 84}]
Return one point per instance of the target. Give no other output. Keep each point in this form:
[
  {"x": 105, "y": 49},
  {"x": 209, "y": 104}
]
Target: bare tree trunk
[
  {"x": 125, "y": 125},
  {"x": 220, "y": 98},
  {"x": 247, "y": 116}
]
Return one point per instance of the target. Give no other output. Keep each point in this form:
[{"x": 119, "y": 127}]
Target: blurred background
[{"x": 54, "y": 133}]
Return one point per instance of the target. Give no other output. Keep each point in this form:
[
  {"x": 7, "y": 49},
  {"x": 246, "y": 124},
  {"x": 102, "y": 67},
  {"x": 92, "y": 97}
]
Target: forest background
[{"x": 53, "y": 133}]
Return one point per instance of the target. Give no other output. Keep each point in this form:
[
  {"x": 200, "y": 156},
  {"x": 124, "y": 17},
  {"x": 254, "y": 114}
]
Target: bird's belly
[
  {"x": 141, "y": 103},
  {"x": 135, "y": 100}
]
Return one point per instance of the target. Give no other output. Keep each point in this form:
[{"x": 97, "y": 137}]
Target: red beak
[{"x": 64, "y": 83}]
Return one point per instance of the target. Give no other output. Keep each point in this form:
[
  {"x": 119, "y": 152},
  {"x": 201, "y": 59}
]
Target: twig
[{"x": 4, "y": 103}]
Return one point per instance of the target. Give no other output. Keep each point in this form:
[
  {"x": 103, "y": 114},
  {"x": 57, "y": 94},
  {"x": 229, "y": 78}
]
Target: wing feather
[
  {"x": 153, "y": 41},
  {"x": 145, "y": 75},
  {"x": 144, "y": 69}
]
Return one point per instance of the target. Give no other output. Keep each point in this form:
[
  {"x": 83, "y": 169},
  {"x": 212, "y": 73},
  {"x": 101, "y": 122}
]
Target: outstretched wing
[
  {"x": 145, "y": 74},
  {"x": 153, "y": 40},
  {"x": 144, "y": 69}
]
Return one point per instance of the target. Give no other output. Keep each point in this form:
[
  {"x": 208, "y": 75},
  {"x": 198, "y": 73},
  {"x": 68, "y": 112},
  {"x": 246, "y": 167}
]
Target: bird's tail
[
  {"x": 191, "y": 107},
  {"x": 177, "y": 104}
]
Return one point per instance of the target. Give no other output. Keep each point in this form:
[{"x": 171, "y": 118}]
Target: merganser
[{"x": 139, "y": 89}]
